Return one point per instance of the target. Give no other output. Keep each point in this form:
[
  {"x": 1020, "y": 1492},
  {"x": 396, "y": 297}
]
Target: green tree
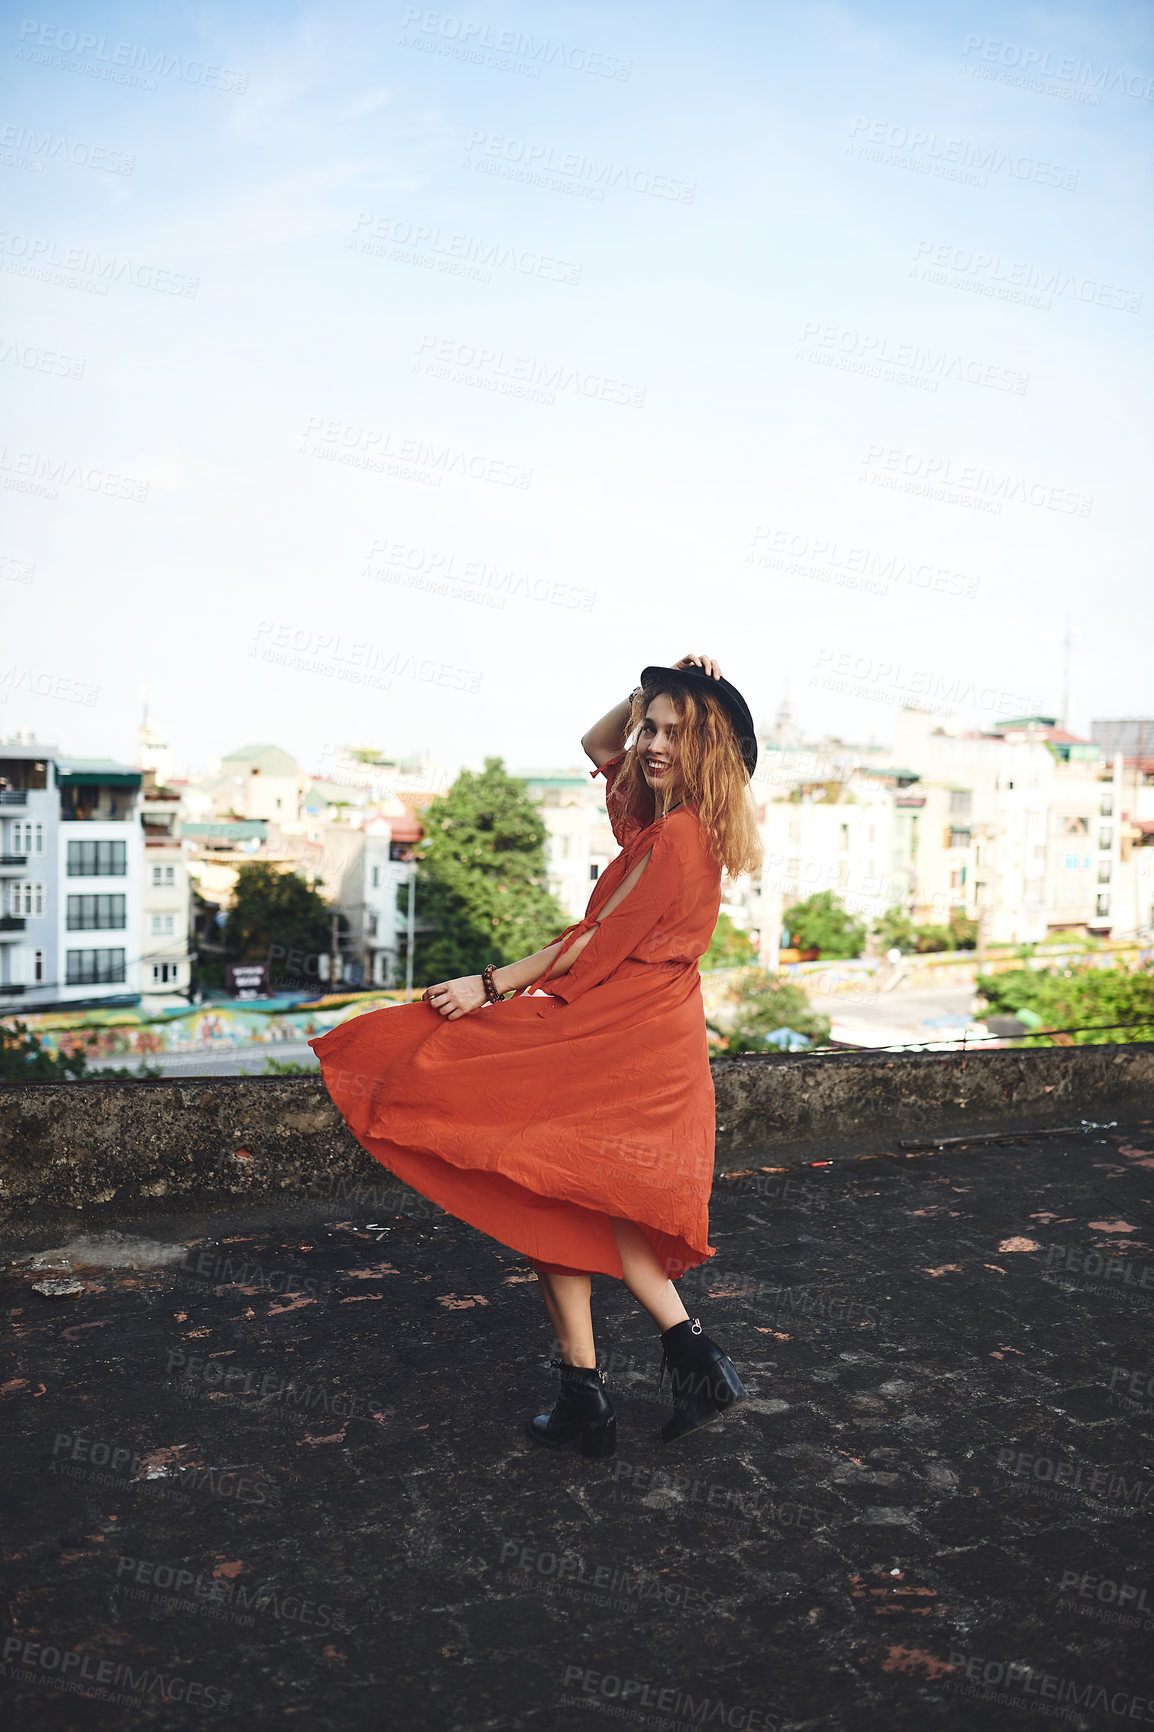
[
  {"x": 822, "y": 923},
  {"x": 761, "y": 1004},
  {"x": 1069, "y": 998},
  {"x": 272, "y": 908},
  {"x": 480, "y": 877},
  {"x": 729, "y": 947},
  {"x": 962, "y": 930},
  {"x": 25, "y": 1058},
  {"x": 896, "y": 929}
]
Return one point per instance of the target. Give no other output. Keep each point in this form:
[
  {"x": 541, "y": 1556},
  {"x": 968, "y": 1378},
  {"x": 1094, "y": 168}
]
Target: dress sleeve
[
  {"x": 624, "y": 932},
  {"x": 623, "y": 826}
]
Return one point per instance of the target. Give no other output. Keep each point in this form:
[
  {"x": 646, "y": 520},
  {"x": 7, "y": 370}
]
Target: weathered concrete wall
[
  {"x": 77, "y": 1145},
  {"x": 867, "y": 1101}
]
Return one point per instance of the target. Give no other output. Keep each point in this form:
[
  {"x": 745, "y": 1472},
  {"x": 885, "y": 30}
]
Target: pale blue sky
[{"x": 829, "y": 158}]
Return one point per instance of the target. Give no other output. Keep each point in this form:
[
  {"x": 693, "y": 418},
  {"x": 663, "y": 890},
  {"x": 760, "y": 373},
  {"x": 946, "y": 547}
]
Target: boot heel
[
  {"x": 600, "y": 1440},
  {"x": 730, "y": 1388}
]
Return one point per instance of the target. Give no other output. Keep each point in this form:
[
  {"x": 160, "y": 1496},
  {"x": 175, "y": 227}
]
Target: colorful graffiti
[{"x": 216, "y": 1027}]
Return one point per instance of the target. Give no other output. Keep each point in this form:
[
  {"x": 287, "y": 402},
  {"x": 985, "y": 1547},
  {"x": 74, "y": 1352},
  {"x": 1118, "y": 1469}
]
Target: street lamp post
[{"x": 411, "y": 928}]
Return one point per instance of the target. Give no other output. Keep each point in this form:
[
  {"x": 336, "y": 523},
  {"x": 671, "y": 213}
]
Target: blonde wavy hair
[{"x": 712, "y": 769}]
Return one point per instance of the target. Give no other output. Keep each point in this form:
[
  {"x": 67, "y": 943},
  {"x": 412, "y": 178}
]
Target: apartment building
[
  {"x": 70, "y": 878},
  {"x": 166, "y": 897},
  {"x": 1045, "y": 821},
  {"x": 579, "y": 842}
]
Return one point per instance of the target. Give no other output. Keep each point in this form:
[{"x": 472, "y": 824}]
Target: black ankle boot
[
  {"x": 704, "y": 1382},
  {"x": 584, "y": 1413}
]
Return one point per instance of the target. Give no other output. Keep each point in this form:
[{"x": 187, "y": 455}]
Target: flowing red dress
[{"x": 541, "y": 1118}]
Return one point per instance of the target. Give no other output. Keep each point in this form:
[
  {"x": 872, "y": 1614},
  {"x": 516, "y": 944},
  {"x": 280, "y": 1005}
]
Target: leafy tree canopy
[
  {"x": 822, "y": 923},
  {"x": 1076, "y": 998},
  {"x": 764, "y": 1003},
  {"x": 480, "y": 890},
  {"x": 729, "y": 947},
  {"x": 895, "y": 930},
  {"x": 273, "y": 907}
]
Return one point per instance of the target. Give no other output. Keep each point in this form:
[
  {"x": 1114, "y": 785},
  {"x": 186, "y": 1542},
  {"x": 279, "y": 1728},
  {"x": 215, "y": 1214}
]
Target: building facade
[{"x": 70, "y": 879}]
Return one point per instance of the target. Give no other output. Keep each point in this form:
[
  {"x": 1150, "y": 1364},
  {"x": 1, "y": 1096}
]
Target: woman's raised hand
[
  {"x": 705, "y": 663},
  {"x": 454, "y": 998}
]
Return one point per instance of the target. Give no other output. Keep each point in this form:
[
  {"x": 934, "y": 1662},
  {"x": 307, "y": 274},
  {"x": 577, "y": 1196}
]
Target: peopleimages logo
[
  {"x": 473, "y": 39},
  {"x": 930, "y": 152},
  {"x": 1037, "y": 63},
  {"x": 120, "y": 61},
  {"x": 68, "y": 1669}
]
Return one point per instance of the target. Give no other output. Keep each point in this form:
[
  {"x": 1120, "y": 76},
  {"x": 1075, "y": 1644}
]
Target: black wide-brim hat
[{"x": 727, "y": 696}]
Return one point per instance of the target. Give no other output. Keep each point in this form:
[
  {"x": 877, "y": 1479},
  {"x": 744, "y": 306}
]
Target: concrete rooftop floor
[{"x": 273, "y": 1459}]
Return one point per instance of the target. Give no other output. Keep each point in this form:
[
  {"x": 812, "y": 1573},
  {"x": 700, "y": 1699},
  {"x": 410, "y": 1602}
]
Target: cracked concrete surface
[{"x": 274, "y": 1459}]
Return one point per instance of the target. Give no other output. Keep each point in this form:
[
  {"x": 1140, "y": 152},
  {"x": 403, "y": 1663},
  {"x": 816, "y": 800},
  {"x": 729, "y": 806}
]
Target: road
[
  {"x": 217, "y": 1061},
  {"x": 872, "y": 1018}
]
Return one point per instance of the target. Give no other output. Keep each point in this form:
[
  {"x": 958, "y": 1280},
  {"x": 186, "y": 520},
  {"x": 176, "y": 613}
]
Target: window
[
  {"x": 1103, "y": 871},
  {"x": 95, "y": 914},
  {"x": 97, "y": 860},
  {"x": 27, "y": 966},
  {"x": 1105, "y": 836},
  {"x": 594, "y": 869},
  {"x": 160, "y": 925},
  {"x": 959, "y": 838},
  {"x": 375, "y": 878},
  {"x": 843, "y": 838},
  {"x": 960, "y": 800},
  {"x": 1103, "y": 902},
  {"x": 370, "y": 925},
  {"x": 1106, "y": 807},
  {"x": 24, "y": 898},
  {"x": 163, "y": 877},
  {"x": 94, "y": 967},
  {"x": 27, "y": 837},
  {"x": 165, "y": 972}
]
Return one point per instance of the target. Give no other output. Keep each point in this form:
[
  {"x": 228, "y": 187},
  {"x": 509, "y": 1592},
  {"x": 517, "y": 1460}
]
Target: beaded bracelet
[{"x": 490, "y": 985}]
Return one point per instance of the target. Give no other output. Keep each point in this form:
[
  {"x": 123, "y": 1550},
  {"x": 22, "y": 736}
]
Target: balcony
[
  {"x": 13, "y": 797},
  {"x": 12, "y": 923},
  {"x": 11, "y": 989},
  {"x": 13, "y": 860}
]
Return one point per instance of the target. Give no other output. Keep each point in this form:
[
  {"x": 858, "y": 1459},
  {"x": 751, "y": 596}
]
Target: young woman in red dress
[{"x": 573, "y": 1120}]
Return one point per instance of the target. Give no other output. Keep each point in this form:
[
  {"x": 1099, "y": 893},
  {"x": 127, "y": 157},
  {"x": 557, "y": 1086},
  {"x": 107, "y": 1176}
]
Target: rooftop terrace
[{"x": 268, "y": 1457}]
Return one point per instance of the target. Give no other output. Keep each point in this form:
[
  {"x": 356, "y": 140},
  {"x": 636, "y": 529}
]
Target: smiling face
[{"x": 657, "y": 749}]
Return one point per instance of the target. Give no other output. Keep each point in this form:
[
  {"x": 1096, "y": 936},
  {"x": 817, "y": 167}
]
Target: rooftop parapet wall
[{"x": 126, "y": 1145}]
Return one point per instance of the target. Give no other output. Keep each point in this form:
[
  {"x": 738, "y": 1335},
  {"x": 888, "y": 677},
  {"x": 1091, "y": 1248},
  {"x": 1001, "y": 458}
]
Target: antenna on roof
[{"x": 1067, "y": 646}]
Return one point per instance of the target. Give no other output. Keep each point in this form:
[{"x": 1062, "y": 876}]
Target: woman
[{"x": 574, "y": 1119}]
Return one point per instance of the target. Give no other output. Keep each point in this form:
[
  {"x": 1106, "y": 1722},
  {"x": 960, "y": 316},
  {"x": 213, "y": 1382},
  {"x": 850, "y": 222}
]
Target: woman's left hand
[{"x": 454, "y": 998}]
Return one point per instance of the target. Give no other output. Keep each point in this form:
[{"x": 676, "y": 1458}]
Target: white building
[
  {"x": 166, "y": 897},
  {"x": 361, "y": 870},
  {"x": 1044, "y": 821},
  {"x": 70, "y": 879},
  {"x": 254, "y": 782},
  {"x": 579, "y": 842}
]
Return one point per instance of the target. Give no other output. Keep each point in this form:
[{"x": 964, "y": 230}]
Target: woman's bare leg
[
  {"x": 567, "y": 1304},
  {"x": 645, "y": 1277}
]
